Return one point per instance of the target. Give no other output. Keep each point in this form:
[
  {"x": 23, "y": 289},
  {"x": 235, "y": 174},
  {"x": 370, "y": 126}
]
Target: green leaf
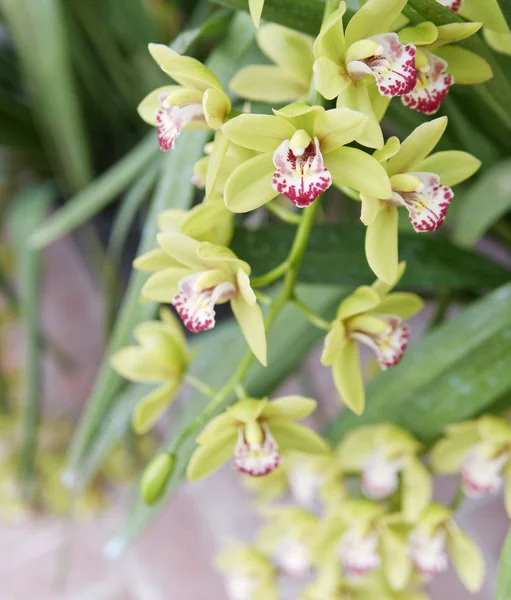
[
  {"x": 484, "y": 204},
  {"x": 39, "y": 33},
  {"x": 98, "y": 194},
  {"x": 433, "y": 261},
  {"x": 505, "y": 7},
  {"x": 452, "y": 374},
  {"x": 26, "y": 212},
  {"x": 503, "y": 591}
]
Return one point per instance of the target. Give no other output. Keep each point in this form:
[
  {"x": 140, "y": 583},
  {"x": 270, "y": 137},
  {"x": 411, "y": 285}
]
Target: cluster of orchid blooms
[
  {"x": 361, "y": 518},
  {"x": 394, "y": 538}
]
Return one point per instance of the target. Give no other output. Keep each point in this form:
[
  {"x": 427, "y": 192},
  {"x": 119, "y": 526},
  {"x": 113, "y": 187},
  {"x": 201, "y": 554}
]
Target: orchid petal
[
  {"x": 348, "y": 377},
  {"x": 163, "y": 285},
  {"x": 250, "y": 185},
  {"x": 292, "y": 408},
  {"x": 151, "y": 104},
  {"x": 262, "y": 133},
  {"x": 452, "y": 166},
  {"x": 207, "y": 459},
  {"x": 466, "y": 557},
  {"x": 417, "y": 488},
  {"x": 154, "y": 260},
  {"x": 182, "y": 248},
  {"x": 381, "y": 244},
  {"x": 424, "y": 33},
  {"x": 187, "y": 71},
  {"x": 267, "y": 83},
  {"x": 452, "y": 33},
  {"x": 465, "y": 66},
  {"x": 330, "y": 41},
  {"x": 358, "y": 170},
  {"x": 151, "y": 407},
  {"x": 251, "y": 322},
  {"x": 334, "y": 341},
  {"x": 288, "y": 49},
  {"x": 401, "y": 304},
  {"x": 433, "y": 84},
  {"x": 417, "y": 146},
  {"x": 375, "y": 16},
  {"x": 216, "y": 106},
  {"x": 356, "y": 96},
  {"x": 330, "y": 79},
  {"x": 256, "y": 10},
  {"x": 338, "y": 127},
  {"x": 292, "y": 436}
]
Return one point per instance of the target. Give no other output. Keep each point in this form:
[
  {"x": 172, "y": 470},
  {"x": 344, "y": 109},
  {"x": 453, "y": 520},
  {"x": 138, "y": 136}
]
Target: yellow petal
[
  {"x": 154, "y": 260},
  {"x": 267, "y": 83},
  {"x": 262, "y": 133},
  {"x": 330, "y": 78},
  {"x": 358, "y": 170},
  {"x": 465, "y": 66},
  {"x": 162, "y": 286},
  {"x": 453, "y": 166},
  {"x": 417, "y": 489},
  {"x": 348, "y": 377},
  {"x": 291, "y": 436},
  {"x": 152, "y": 407},
  {"x": 417, "y": 146},
  {"x": 375, "y": 16},
  {"x": 397, "y": 565},
  {"x": 381, "y": 244},
  {"x": 216, "y": 106},
  {"x": 401, "y": 304},
  {"x": 452, "y": 33},
  {"x": 334, "y": 341},
  {"x": 250, "y": 185},
  {"x": 244, "y": 287},
  {"x": 292, "y": 408},
  {"x": 357, "y": 97},
  {"x": 182, "y": 248},
  {"x": 150, "y": 105},
  {"x": 251, "y": 322},
  {"x": 466, "y": 557},
  {"x": 256, "y": 10},
  {"x": 207, "y": 459},
  {"x": 337, "y": 127}
]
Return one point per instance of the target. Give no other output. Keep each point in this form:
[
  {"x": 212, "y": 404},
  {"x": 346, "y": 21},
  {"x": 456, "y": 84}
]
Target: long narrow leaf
[
  {"x": 98, "y": 194},
  {"x": 503, "y": 591}
]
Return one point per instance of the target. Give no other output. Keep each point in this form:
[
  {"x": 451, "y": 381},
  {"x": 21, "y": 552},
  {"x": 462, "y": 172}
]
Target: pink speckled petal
[
  {"x": 432, "y": 87},
  {"x": 394, "y": 69},
  {"x": 256, "y": 459},
  {"x": 171, "y": 119},
  {"x": 428, "y": 206},
  {"x": 453, "y": 5},
  {"x": 300, "y": 178}
]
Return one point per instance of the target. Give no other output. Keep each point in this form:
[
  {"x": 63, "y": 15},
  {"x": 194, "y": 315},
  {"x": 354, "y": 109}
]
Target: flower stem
[
  {"x": 283, "y": 213},
  {"x": 200, "y": 386},
  {"x": 271, "y": 276},
  {"x": 313, "y": 318},
  {"x": 457, "y": 499}
]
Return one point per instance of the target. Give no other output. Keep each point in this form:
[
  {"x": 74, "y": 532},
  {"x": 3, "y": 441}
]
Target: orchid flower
[
  {"x": 380, "y": 453},
  {"x": 440, "y": 63},
  {"x": 248, "y": 573},
  {"x": 289, "y": 78},
  {"x": 496, "y": 32},
  {"x": 162, "y": 357},
  {"x": 366, "y": 65},
  {"x": 287, "y": 536},
  {"x": 198, "y": 102},
  {"x": 375, "y": 317},
  {"x": 480, "y": 451},
  {"x": 301, "y": 154},
  {"x": 420, "y": 182},
  {"x": 195, "y": 276},
  {"x": 254, "y": 433},
  {"x": 435, "y": 538}
]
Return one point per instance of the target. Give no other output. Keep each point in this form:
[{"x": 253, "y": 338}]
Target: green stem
[
  {"x": 410, "y": 13},
  {"x": 200, "y": 386},
  {"x": 287, "y": 293},
  {"x": 457, "y": 499},
  {"x": 284, "y": 214},
  {"x": 271, "y": 276},
  {"x": 313, "y": 318}
]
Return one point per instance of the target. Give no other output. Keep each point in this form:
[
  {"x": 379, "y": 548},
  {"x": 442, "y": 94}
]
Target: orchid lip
[
  {"x": 303, "y": 177},
  {"x": 390, "y": 345},
  {"x": 256, "y": 459},
  {"x": 196, "y": 306},
  {"x": 428, "y": 552},
  {"x": 359, "y": 554},
  {"x": 170, "y": 120},
  {"x": 380, "y": 476},
  {"x": 433, "y": 84},
  {"x": 481, "y": 474}
]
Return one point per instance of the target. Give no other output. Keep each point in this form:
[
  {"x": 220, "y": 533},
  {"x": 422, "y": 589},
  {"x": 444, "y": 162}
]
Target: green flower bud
[{"x": 156, "y": 476}]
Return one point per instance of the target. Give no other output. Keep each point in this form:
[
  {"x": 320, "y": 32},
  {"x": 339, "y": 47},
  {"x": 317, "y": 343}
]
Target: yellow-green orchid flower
[
  {"x": 420, "y": 182},
  {"x": 364, "y": 66},
  {"x": 331, "y": 584},
  {"x": 496, "y": 32},
  {"x": 435, "y": 538},
  {"x": 480, "y": 451},
  {"x": 161, "y": 357},
  {"x": 249, "y": 574},
  {"x": 196, "y": 276},
  {"x": 440, "y": 63},
  {"x": 301, "y": 154},
  {"x": 375, "y": 317},
  {"x": 380, "y": 453},
  {"x": 364, "y": 539},
  {"x": 291, "y": 76},
  {"x": 256, "y": 10},
  {"x": 306, "y": 477},
  {"x": 198, "y": 102},
  {"x": 255, "y": 432},
  {"x": 287, "y": 536}
]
